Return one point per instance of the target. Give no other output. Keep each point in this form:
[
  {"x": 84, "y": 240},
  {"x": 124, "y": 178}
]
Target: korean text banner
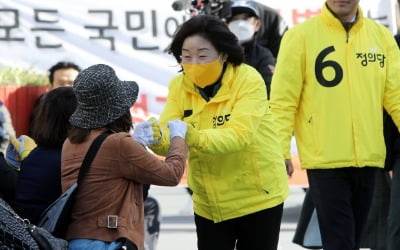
[{"x": 131, "y": 36}]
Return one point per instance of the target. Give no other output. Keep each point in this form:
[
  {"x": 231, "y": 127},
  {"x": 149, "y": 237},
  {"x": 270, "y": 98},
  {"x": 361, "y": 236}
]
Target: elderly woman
[
  {"x": 108, "y": 208},
  {"x": 236, "y": 166}
]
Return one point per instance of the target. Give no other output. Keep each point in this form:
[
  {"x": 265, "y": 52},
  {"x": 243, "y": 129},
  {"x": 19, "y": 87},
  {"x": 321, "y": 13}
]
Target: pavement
[{"x": 178, "y": 231}]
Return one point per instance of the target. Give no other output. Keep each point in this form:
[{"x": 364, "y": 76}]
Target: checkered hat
[{"x": 102, "y": 97}]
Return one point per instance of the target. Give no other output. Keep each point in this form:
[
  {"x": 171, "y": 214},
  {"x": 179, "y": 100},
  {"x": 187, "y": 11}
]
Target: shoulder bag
[{"x": 56, "y": 217}]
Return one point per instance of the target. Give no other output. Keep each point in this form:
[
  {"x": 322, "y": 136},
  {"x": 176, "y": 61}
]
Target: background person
[
  {"x": 61, "y": 74},
  {"x": 8, "y": 179},
  {"x": 272, "y": 28},
  {"x": 152, "y": 221},
  {"x": 245, "y": 23},
  {"x": 237, "y": 171},
  {"x": 39, "y": 178},
  {"x": 393, "y": 220},
  {"x": 6, "y": 127},
  {"x": 328, "y": 93}
]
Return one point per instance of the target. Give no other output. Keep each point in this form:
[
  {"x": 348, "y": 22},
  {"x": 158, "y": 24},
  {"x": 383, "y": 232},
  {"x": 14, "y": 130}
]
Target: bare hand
[{"x": 289, "y": 167}]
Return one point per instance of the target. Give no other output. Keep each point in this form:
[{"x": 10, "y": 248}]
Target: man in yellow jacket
[{"x": 335, "y": 73}]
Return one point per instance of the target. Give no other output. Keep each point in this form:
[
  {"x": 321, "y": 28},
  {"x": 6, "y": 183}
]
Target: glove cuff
[{"x": 172, "y": 135}]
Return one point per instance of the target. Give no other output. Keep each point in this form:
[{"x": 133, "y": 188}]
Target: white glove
[
  {"x": 177, "y": 128},
  {"x": 143, "y": 133}
]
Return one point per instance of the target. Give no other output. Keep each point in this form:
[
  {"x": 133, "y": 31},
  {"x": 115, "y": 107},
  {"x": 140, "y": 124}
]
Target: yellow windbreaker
[
  {"x": 330, "y": 87},
  {"x": 238, "y": 167}
]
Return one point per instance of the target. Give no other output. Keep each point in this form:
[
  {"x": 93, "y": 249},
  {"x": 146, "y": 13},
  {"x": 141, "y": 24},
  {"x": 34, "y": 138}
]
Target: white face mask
[{"x": 243, "y": 30}]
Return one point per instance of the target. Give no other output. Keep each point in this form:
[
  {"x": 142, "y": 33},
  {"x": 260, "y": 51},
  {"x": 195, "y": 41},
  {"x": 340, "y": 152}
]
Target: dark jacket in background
[
  {"x": 392, "y": 141},
  {"x": 39, "y": 183},
  {"x": 272, "y": 28},
  {"x": 8, "y": 180},
  {"x": 391, "y": 133},
  {"x": 261, "y": 59}
]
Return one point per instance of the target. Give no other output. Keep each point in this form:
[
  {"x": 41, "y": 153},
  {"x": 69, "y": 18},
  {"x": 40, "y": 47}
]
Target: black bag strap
[{"x": 94, "y": 147}]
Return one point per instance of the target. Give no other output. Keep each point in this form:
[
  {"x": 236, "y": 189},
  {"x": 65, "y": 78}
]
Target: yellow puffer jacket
[
  {"x": 330, "y": 86},
  {"x": 238, "y": 167}
]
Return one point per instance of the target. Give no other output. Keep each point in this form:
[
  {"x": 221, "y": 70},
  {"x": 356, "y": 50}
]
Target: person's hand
[
  {"x": 143, "y": 133},
  {"x": 18, "y": 149},
  {"x": 192, "y": 136},
  {"x": 157, "y": 131},
  {"x": 177, "y": 128},
  {"x": 289, "y": 167},
  {"x": 148, "y": 133}
]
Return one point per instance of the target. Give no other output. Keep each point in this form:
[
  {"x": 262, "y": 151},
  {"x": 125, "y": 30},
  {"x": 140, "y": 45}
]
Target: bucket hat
[{"x": 102, "y": 98}]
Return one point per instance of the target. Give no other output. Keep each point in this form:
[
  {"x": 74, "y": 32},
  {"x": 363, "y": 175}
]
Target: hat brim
[{"x": 241, "y": 9}]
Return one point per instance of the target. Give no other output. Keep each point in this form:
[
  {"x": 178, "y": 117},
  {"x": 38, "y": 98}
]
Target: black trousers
[
  {"x": 257, "y": 231},
  {"x": 393, "y": 231},
  {"x": 342, "y": 197}
]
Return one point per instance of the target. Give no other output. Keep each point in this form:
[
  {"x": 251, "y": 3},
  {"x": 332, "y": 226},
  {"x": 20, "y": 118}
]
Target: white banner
[
  {"x": 295, "y": 11},
  {"x": 130, "y": 36}
]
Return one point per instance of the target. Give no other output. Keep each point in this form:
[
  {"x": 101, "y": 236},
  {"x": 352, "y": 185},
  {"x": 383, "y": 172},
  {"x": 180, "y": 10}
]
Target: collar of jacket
[
  {"x": 249, "y": 45},
  {"x": 334, "y": 22},
  {"x": 226, "y": 83}
]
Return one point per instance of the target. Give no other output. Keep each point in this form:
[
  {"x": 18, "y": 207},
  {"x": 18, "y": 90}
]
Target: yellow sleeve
[
  {"x": 286, "y": 86},
  {"x": 170, "y": 112}
]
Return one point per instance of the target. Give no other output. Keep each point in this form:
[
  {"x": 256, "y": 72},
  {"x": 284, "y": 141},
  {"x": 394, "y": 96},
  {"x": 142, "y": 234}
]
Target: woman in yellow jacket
[{"x": 236, "y": 166}]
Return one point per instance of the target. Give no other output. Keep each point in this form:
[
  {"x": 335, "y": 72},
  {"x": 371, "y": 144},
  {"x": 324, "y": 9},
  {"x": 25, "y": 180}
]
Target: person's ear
[
  {"x": 224, "y": 57},
  {"x": 257, "y": 25}
]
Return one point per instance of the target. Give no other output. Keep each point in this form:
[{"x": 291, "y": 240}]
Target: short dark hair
[
  {"x": 212, "y": 29},
  {"x": 50, "y": 127},
  {"x": 62, "y": 65},
  {"x": 122, "y": 124}
]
